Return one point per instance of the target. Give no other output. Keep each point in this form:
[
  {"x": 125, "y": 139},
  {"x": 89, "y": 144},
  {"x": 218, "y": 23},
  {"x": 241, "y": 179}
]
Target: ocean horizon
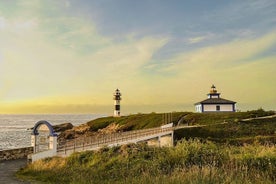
[{"x": 15, "y": 128}]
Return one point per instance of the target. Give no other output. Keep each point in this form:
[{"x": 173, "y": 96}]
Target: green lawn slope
[
  {"x": 143, "y": 121},
  {"x": 212, "y": 118},
  {"x": 135, "y": 122},
  {"x": 234, "y": 132},
  {"x": 232, "y": 128},
  {"x": 236, "y": 151}
]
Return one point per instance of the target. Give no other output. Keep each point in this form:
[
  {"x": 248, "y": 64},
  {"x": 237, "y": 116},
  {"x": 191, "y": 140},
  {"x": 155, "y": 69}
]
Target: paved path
[
  {"x": 262, "y": 117},
  {"x": 8, "y": 170}
]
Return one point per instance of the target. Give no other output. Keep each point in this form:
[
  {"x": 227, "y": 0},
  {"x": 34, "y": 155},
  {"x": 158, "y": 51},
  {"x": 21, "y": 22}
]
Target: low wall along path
[
  {"x": 10, "y": 162},
  {"x": 18, "y": 153}
]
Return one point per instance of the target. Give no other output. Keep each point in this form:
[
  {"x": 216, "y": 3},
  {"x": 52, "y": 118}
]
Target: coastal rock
[
  {"x": 81, "y": 129},
  {"x": 112, "y": 128},
  {"x": 59, "y": 128},
  {"x": 63, "y": 127},
  {"x": 75, "y": 132},
  {"x": 84, "y": 130},
  {"x": 68, "y": 134}
]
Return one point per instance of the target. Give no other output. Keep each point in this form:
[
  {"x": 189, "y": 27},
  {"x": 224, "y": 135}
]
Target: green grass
[
  {"x": 134, "y": 122},
  {"x": 261, "y": 130},
  {"x": 142, "y": 121},
  {"x": 212, "y": 118},
  {"x": 190, "y": 161},
  {"x": 236, "y": 152}
]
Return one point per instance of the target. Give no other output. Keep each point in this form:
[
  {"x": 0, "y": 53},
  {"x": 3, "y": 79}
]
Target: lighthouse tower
[{"x": 117, "y": 98}]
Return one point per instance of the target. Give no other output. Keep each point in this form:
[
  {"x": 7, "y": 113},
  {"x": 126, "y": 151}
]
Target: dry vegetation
[
  {"x": 190, "y": 161},
  {"x": 236, "y": 152}
]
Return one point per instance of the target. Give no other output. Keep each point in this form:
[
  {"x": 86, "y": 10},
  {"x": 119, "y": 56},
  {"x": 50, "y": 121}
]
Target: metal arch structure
[
  {"x": 43, "y": 140},
  {"x": 39, "y": 123}
]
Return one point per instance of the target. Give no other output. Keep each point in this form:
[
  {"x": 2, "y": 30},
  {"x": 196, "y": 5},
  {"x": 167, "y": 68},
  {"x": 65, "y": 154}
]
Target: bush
[{"x": 138, "y": 163}]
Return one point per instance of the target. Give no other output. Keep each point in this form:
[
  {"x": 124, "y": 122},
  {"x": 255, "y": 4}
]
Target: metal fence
[{"x": 95, "y": 142}]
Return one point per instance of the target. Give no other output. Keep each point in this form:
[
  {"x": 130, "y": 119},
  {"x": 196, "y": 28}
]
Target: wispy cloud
[
  {"x": 17, "y": 25},
  {"x": 76, "y": 58},
  {"x": 196, "y": 39},
  {"x": 223, "y": 55},
  {"x": 235, "y": 67},
  {"x": 55, "y": 54}
]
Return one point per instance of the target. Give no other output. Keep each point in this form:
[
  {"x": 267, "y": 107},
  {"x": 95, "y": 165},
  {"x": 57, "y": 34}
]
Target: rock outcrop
[
  {"x": 84, "y": 130},
  {"x": 75, "y": 132},
  {"x": 112, "y": 128},
  {"x": 63, "y": 127}
]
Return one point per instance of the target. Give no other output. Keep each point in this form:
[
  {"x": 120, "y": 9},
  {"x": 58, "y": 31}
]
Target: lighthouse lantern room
[{"x": 117, "y": 98}]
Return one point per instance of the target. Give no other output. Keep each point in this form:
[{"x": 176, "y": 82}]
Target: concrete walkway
[
  {"x": 8, "y": 170},
  {"x": 262, "y": 117}
]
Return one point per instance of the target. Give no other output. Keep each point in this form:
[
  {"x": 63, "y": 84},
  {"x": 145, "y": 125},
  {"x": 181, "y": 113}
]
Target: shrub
[{"x": 202, "y": 161}]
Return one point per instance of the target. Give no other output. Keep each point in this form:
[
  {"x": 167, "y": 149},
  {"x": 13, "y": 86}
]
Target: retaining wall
[{"x": 17, "y": 153}]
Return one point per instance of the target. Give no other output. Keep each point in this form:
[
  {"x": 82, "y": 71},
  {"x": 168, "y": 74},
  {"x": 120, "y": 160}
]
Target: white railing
[{"x": 95, "y": 142}]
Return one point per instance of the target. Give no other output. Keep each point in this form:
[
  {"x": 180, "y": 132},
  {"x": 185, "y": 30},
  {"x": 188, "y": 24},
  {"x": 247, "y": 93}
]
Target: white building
[{"x": 215, "y": 104}]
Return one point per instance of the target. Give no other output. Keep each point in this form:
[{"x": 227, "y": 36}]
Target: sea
[{"x": 15, "y": 130}]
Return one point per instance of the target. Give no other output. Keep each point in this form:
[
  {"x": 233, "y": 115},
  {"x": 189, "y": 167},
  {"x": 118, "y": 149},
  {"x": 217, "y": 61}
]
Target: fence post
[{"x": 65, "y": 147}]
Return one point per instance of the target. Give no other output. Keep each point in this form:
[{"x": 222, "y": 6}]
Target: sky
[{"x": 69, "y": 56}]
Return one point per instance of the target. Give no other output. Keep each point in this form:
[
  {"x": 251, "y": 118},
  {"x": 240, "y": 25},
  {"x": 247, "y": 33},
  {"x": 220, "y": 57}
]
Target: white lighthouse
[{"x": 117, "y": 98}]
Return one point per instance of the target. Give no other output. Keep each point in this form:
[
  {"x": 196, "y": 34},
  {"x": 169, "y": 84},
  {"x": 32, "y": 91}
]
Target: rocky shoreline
[{"x": 67, "y": 131}]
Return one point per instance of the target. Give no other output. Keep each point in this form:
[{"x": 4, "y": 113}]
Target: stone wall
[
  {"x": 162, "y": 141},
  {"x": 12, "y": 154},
  {"x": 166, "y": 141}
]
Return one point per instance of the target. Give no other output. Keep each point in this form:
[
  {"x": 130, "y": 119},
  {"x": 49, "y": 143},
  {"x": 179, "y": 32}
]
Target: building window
[{"x": 218, "y": 108}]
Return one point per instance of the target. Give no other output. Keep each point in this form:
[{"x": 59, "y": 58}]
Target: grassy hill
[
  {"x": 142, "y": 121},
  {"x": 120, "y": 124},
  {"x": 235, "y": 130},
  {"x": 134, "y": 122},
  {"x": 212, "y": 118},
  {"x": 235, "y": 152},
  {"x": 238, "y": 132}
]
